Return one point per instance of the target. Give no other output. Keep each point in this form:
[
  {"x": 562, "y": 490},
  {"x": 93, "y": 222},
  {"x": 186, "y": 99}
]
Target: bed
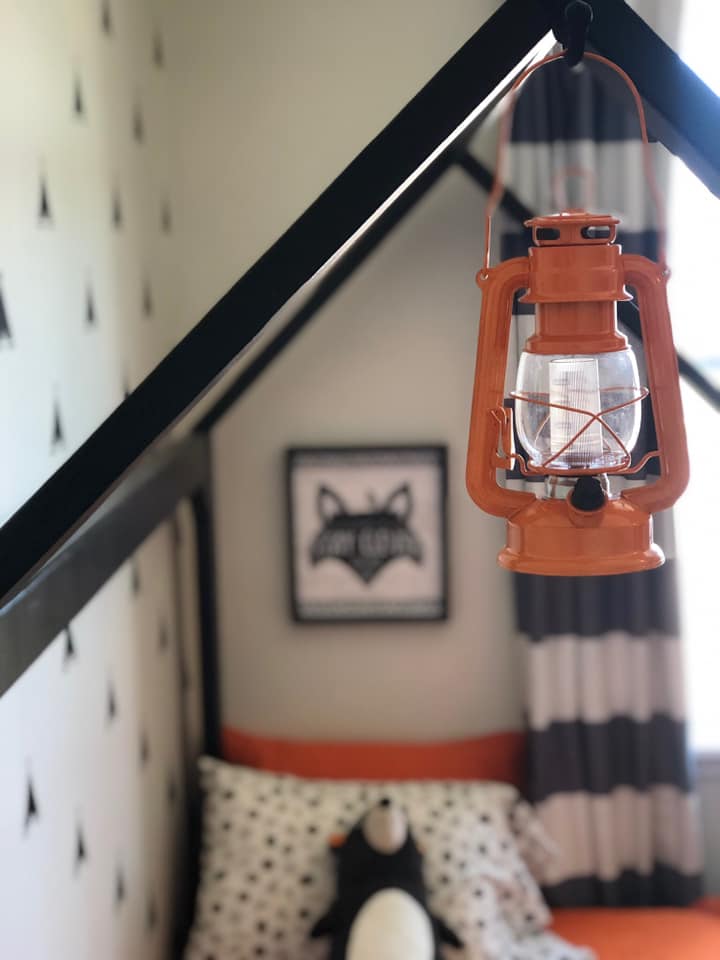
[{"x": 479, "y": 768}]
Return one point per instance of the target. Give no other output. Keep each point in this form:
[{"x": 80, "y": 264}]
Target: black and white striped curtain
[{"x": 605, "y": 698}]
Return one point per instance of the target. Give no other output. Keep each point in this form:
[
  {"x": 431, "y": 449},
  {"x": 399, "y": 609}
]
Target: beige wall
[
  {"x": 388, "y": 360},
  {"x": 275, "y": 98}
]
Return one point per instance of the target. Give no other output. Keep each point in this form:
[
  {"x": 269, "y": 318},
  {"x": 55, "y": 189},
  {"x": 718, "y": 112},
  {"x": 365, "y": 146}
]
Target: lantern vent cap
[{"x": 573, "y": 227}]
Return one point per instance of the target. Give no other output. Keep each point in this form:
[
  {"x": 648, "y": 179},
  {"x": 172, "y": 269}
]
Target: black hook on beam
[{"x": 572, "y": 30}]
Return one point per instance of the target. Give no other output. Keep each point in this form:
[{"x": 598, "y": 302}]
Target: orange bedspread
[{"x": 644, "y": 934}]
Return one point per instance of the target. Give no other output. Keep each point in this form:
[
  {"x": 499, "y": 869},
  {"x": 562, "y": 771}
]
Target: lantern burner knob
[{"x": 588, "y": 494}]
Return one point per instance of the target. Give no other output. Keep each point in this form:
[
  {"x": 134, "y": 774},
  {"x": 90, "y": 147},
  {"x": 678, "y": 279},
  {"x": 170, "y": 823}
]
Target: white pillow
[{"x": 267, "y": 873}]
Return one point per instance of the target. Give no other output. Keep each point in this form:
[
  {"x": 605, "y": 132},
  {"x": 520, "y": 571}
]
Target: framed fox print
[{"x": 367, "y": 533}]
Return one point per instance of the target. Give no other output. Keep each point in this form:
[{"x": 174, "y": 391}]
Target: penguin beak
[{"x": 385, "y": 827}]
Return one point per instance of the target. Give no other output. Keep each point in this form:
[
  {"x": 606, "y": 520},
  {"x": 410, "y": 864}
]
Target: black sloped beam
[
  {"x": 682, "y": 112},
  {"x": 344, "y": 268},
  {"x": 67, "y": 582},
  {"x": 376, "y": 176},
  {"x": 334, "y": 278}
]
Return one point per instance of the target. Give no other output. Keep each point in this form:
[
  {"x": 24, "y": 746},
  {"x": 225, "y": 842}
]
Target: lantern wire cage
[{"x": 528, "y": 468}]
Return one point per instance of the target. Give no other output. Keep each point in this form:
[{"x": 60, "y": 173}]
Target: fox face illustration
[{"x": 366, "y": 542}]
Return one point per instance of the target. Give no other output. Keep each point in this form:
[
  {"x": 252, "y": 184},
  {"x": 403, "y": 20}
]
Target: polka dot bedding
[{"x": 267, "y": 872}]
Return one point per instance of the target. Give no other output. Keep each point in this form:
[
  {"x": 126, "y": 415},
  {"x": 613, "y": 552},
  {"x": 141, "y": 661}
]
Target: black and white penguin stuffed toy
[{"x": 380, "y": 911}]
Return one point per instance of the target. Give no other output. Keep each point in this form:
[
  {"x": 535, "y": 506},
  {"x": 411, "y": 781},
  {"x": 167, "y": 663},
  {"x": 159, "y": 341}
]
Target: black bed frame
[{"x": 89, "y": 517}]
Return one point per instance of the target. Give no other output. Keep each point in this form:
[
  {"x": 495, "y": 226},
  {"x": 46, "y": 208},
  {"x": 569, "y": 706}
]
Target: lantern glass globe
[{"x": 557, "y": 397}]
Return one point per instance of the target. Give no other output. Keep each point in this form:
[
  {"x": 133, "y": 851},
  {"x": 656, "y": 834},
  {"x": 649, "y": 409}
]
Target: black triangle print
[
  {"x": 80, "y": 848},
  {"x": 144, "y": 750},
  {"x": 106, "y": 17},
  {"x": 70, "y": 651},
  {"x": 135, "y": 582},
  {"x": 90, "y": 313},
  {"x": 31, "y": 807},
  {"x": 147, "y": 299},
  {"x": 166, "y": 218},
  {"x": 163, "y": 637},
  {"x": 151, "y": 917},
  {"x": 58, "y": 435},
  {"x": 5, "y": 332},
  {"x": 119, "y": 887},
  {"x": 158, "y": 50},
  {"x": 138, "y": 125},
  {"x": 78, "y": 99},
  {"x": 44, "y": 212},
  {"x": 112, "y": 708},
  {"x": 117, "y": 213}
]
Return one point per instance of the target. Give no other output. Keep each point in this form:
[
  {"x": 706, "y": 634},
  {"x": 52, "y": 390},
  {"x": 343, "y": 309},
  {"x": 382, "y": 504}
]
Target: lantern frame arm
[
  {"x": 499, "y": 286},
  {"x": 649, "y": 282}
]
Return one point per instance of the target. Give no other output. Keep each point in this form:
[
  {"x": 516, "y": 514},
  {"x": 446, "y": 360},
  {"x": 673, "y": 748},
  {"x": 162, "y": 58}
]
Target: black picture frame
[{"x": 414, "y": 544}]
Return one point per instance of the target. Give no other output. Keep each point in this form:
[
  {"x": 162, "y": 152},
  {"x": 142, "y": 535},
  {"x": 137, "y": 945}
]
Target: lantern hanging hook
[
  {"x": 572, "y": 30},
  {"x": 498, "y": 186}
]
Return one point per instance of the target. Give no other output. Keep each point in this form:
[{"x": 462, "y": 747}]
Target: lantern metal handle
[
  {"x": 498, "y": 186},
  {"x": 564, "y": 174}
]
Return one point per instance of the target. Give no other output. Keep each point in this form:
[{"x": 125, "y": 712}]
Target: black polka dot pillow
[{"x": 266, "y": 873}]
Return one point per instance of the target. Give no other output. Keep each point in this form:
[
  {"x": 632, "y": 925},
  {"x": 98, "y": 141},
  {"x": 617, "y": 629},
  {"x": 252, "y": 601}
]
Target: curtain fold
[{"x": 608, "y": 758}]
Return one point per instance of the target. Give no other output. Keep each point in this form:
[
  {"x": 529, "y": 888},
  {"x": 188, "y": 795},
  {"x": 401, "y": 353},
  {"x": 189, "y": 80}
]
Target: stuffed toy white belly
[
  {"x": 391, "y": 925},
  {"x": 380, "y": 911}
]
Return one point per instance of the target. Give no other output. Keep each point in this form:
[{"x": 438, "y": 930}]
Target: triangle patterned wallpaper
[
  {"x": 97, "y": 742},
  {"x": 98, "y": 738},
  {"x": 88, "y": 278}
]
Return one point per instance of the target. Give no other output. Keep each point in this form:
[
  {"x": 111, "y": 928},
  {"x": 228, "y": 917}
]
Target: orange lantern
[{"x": 577, "y": 402}]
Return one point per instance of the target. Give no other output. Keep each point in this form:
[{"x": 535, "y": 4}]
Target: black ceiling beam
[
  {"x": 373, "y": 179},
  {"x": 682, "y": 112}
]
